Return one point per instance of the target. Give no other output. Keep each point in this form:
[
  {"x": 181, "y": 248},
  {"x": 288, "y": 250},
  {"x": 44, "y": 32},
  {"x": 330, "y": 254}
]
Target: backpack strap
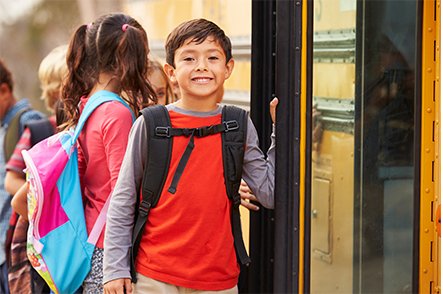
[
  {"x": 158, "y": 158},
  {"x": 234, "y": 145},
  {"x": 94, "y": 101},
  {"x": 40, "y": 129},
  {"x": 13, "y": 134},
  {"x": 225, "y": 126}
]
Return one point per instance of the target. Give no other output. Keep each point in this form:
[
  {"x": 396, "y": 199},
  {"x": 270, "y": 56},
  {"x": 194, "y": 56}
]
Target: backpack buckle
[
  {"x": 231, "y": 125},
  {"x": 163, "y": 131},
  {"x": 144, "y": 208},
  {"x": 205, "y": 131}
]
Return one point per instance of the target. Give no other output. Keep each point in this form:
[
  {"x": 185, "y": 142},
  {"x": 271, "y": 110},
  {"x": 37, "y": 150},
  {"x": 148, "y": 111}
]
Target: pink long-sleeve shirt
[{"x": 102, "y": 146}]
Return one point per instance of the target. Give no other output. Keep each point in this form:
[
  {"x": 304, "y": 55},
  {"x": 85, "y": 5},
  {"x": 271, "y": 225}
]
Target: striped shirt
[{"x": 16, "y": 162}]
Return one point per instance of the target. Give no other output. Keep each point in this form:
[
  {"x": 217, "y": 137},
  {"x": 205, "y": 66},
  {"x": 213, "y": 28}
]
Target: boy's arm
[
  {"x": 258, "y": 172},
  {"x": 15, "y": 177},
  {"x": 20, "y": 201},
  {"x": 14, "y": 181},
  {"x": 120, "y": 218}
]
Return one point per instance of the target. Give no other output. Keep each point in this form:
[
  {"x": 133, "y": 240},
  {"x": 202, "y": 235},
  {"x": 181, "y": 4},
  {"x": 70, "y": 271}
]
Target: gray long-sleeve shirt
[{"x": 258, "y": 173}]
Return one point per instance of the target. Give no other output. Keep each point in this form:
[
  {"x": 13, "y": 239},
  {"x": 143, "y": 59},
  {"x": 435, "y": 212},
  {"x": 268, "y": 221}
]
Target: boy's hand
[
  {"x": 116, "y": 287},
  {"x": 246, "y": 194},
  {"x": 273, "y": 106},
  {"x": 317, "y": 128}
]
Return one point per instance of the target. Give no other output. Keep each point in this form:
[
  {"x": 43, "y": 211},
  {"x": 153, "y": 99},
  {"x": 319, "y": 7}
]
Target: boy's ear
[
  {"x": 170, "y": 72},
  {"x": 4, "y": 90},
  {"x": 229, "y": 68}
]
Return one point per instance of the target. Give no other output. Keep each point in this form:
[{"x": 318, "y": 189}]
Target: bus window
[{"x": 363, "y": 146}]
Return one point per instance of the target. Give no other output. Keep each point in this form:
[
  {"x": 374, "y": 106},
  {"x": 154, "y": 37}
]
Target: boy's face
[{"x": 200, "y": 69}]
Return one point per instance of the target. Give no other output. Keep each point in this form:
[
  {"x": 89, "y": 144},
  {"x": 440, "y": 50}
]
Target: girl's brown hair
[{"x": 104, "y": 47}]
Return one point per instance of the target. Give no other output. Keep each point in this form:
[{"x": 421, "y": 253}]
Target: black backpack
[{"x": 233, "y": 130}]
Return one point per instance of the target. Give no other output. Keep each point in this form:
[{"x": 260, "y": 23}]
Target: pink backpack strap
[{"x": 99, "y": 223}]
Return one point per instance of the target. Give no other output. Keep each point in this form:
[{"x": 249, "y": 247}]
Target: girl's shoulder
[{"x": 109, "y": 110}]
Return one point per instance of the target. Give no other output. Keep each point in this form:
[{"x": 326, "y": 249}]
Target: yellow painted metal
[
  {"x": 321, "y": 214},
  {"x": 159, "y": 17},
  {"x": 429, "y": 157},
  {"x": 437, "y": 135},
  {"x": 334, "y": 80},
  {"x": 240, "y": 79},
  {"x": 244, "y": 213},
  {"x": 302, "y": 186},
  {"x": 334, "y": 14},
  {"x": 332, "y": 164}
]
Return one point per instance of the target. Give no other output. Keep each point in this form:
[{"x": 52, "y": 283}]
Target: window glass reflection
[{"x": 362, "y": 154}]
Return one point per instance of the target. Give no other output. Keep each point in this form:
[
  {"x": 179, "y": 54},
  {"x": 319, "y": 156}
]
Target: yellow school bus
[{"x": 358, "y": 172}]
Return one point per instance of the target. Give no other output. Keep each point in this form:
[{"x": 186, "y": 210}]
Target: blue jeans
[{"x": 4, "y": 283}]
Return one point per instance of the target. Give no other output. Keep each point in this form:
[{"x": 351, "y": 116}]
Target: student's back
[
  {"x": 109, "y": 54},
  {"x": 103, "y": 143}
]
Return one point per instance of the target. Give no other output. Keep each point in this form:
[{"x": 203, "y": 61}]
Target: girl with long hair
[{"x": 109, "y": 54}]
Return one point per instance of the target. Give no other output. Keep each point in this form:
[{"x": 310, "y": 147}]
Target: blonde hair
[
  {"x": 53, "y": 69},
  {"x": 155, "y": 65}
]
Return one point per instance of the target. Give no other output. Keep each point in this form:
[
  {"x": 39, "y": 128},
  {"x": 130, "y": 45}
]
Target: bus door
[
  {"x": 355, "y": 211},
  {"x": 362, "y": 194}
]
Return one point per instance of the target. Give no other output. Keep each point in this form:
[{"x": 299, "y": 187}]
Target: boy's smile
[{"x": 200, "y": 70}]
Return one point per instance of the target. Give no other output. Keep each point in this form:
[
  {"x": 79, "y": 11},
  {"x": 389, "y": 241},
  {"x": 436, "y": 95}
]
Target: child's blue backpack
[{"x": 59, "y": 247}]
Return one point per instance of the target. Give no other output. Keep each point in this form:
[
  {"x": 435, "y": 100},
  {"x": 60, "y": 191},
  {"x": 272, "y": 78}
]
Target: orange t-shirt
[{"x": 188, "y": 240}]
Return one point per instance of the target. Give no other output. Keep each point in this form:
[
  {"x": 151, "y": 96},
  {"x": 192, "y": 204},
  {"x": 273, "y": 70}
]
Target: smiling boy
[{"x": 187, "y": 244}]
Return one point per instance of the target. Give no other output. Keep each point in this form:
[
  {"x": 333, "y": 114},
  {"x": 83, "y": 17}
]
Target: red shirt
[
  {"x": 188, "y": 240},
  {"x": 102, "y": 141}
]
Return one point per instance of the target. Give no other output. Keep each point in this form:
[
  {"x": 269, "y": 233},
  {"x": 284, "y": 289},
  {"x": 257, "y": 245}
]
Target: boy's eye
[
  {"x": 213, "y": 58},
  {"x": 188, "y": 59}
]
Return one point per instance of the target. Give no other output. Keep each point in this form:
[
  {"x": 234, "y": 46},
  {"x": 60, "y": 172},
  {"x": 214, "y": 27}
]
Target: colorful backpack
[
  {"x": 21, "y": 276},
  {"x": 58, "y": 244}
]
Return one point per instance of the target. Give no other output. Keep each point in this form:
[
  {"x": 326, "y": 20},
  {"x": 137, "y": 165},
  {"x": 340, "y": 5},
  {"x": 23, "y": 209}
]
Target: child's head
[
  {"x": 6, "y": 76},
  {"x": 196, "y": 30},
  {"x": 160, "y": 82},
  {"x": 52, "y": 71},
  {"x": 114, "y": 44},
  {"x": 6, "y": 88},
  {"x": 199, "y": 60}
]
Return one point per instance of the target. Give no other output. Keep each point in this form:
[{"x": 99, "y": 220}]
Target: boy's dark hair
[
  {"x": 6, "y": 75},
  {"x": 114, "y": 43},
  {"x": 199, "y": 30}
]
